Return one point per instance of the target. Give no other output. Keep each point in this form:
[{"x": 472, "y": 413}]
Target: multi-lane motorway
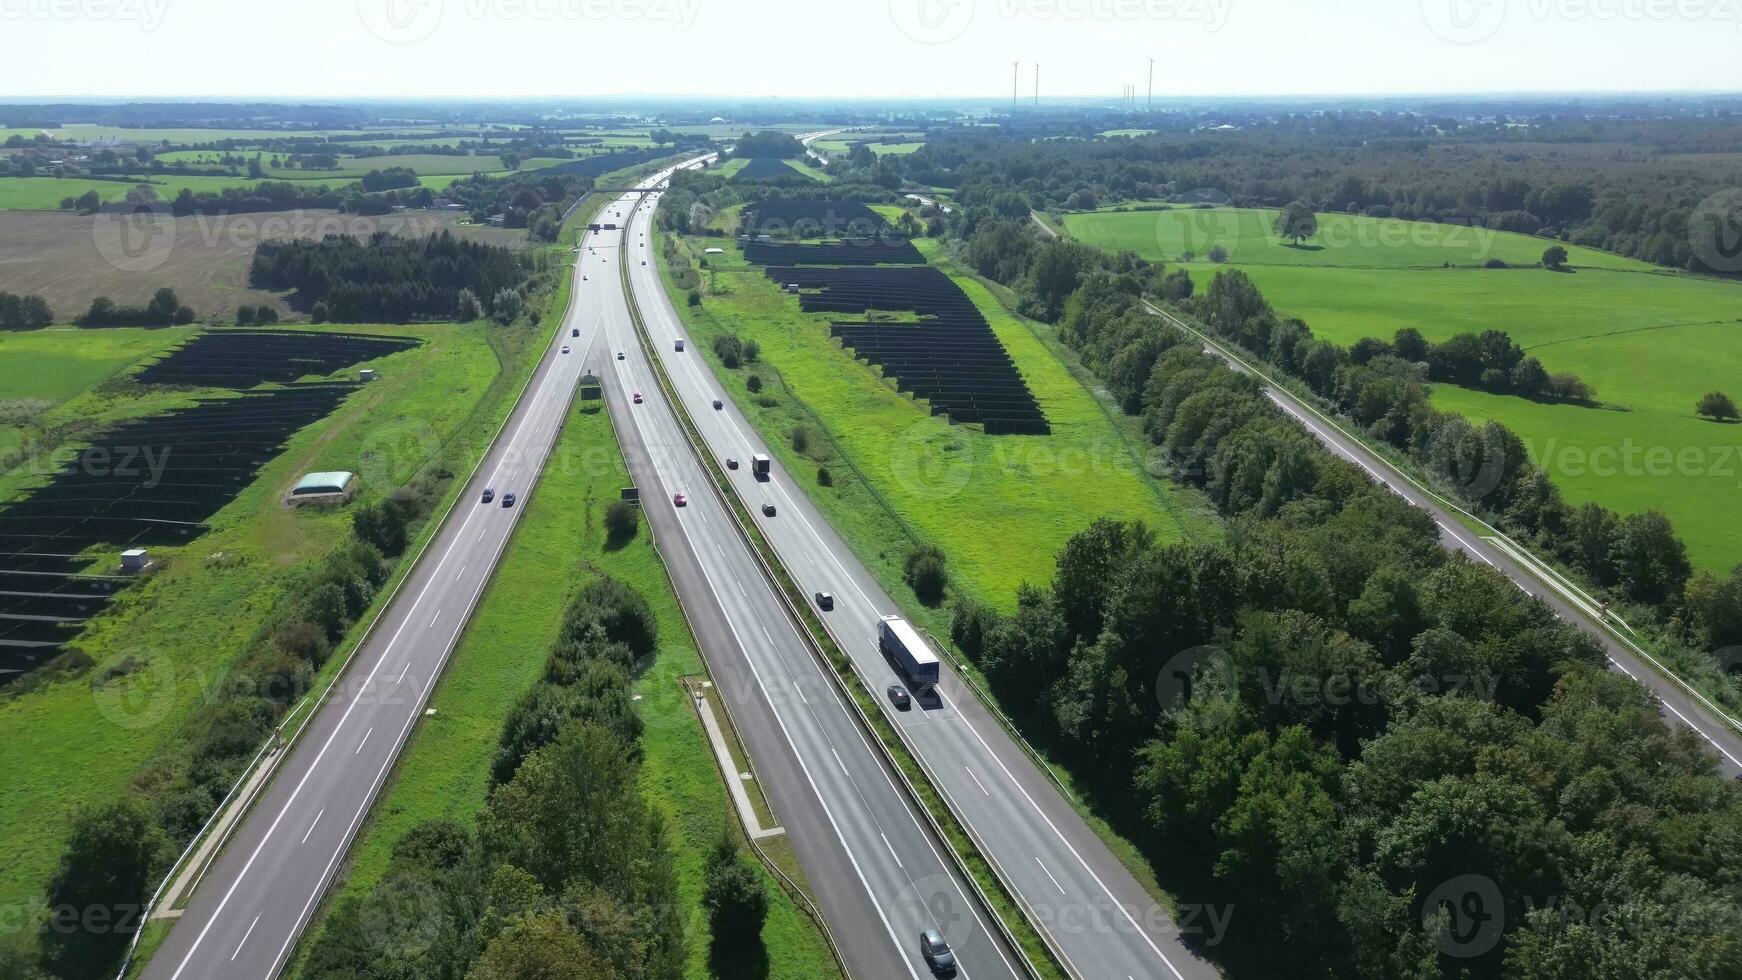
[
  {"x": 254, "y": 901},
  {"x": 1096, "y": 915},
  {"x": 1680, "y": 706}
]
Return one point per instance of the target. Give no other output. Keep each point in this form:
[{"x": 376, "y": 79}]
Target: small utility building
[{"x": 325, "y": 488}]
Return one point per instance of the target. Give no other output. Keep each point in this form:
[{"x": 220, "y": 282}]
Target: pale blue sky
[{"x": 129, "y": 49}]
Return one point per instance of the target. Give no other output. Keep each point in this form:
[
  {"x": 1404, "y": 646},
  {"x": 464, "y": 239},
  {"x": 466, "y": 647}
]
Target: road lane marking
[
  {"x": 432, "y": 619},
  {"x": 311, "y": 826},
  {"x": 892, "y": 853},
  {"x": 365, "y": 741},
  {"x": 402, "y": 671},
  {"x": 1055, "y": 881},
  {"x": 460, "y": 574},
  {"x": 244, "y": 941},
  {"x": 977, "y": 782}
]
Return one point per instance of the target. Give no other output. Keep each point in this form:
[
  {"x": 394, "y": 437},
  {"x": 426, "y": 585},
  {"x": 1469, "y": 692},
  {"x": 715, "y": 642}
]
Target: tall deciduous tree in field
[
  {"x": 1717, "y": 406},
  {"x": 1554, "y": 257},
  {"x": 1297, "y": 221}
]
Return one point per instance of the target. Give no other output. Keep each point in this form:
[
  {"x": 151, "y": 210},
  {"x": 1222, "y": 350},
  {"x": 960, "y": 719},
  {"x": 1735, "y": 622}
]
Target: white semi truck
[{"x": 903, "y": 644}]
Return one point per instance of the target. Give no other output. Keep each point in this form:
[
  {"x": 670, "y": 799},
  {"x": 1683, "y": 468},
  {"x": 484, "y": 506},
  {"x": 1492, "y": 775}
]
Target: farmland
[
  {"x": 71, "y": 259},
  {"x": 444, "y": 769},
  {"x": 900, "y": 473},
  {"x": 439, "y": 400},
  {"x": 1649, "y": 341}
]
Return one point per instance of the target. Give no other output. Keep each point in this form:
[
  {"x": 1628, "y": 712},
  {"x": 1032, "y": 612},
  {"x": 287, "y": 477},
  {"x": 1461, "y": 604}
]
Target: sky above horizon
[{"x": 807, "y": 49}]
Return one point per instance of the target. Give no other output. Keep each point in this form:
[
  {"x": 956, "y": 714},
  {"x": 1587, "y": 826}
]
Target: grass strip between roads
[{"x": 1023, "y": 935}]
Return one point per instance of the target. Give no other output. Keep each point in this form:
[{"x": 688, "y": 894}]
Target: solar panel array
[
  {"x": 158, "y": 479},
  {"x": 949, "y": 356},
  {"x": 245, "y": 358}
]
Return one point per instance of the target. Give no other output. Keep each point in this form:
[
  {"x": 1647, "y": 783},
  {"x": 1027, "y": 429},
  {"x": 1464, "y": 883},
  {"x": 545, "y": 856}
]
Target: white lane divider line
[
  {"x": 1055, "y": 881},
  {"x": 311, "y": 826},
  {"x": 838, "y": 762},
  {"x": 892, "y": 853},
  {"x": 402, "y": 671},
  {"x": 365, "y": 741},
  {"x": 244, "y": 941},
  {"x": 977, "y": 782},
  {"x": 461, "y": 574},
  {"x": 432, "y": 619}
]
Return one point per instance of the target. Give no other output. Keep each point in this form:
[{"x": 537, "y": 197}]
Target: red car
[{"x": 679, "y": 499}]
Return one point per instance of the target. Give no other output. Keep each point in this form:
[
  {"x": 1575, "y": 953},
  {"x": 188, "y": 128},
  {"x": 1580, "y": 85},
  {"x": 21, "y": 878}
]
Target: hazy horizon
[{"x": 472, "y": 50}]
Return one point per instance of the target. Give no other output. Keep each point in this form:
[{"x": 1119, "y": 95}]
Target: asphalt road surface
[
  {"x": 1680, "y": 706},
  {"x": 879, "y": 876},
  {"x": 1092, "y": 908}
]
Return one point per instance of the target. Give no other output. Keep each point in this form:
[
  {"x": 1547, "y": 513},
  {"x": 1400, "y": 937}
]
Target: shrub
[
  {"x": 801, "y": 438},
  {"x": 621, "y": 521},
  {"x": 736, "y": 901},
  {"x": 694, "y": 298},
  {"x": 824, "y": 477},
  {"x": 1717, "y": 406},
  {"x": 753, "y": 383},
  {"x": 924, "y": 573}
]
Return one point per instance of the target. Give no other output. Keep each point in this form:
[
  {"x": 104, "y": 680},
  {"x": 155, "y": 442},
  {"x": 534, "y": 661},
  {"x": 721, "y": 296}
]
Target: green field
[
  {"x": 1000, "y": 507},
  {"x": 1343, "y": 240},
  {"x": 441, "y": 399},
  {"x": 43, "y": 368},
  {"x": 352, "y": 168},
  {"x": 444, "y": 769},
  {"x": 45, "y": 193},
  {"x": 1649, "y": 340}
]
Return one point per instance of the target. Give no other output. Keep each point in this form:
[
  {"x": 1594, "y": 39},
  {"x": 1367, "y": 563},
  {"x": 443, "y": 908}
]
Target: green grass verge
[{"x": 901, "y": 474}]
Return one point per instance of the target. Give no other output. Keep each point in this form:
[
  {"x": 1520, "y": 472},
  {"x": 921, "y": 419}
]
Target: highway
[
  {"x": 879, "y": 876},
  {"x": 1091, "y": 908},
  {"x": 255, "y": 900},
  {"x": 1680, "y": 706}
]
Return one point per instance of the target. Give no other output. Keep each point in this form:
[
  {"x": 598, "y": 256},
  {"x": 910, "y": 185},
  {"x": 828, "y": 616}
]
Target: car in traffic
[
  {"x": 638, "y": 398},
  {"x": 825, "y": 601},
  {"x": 508, "y": 500},
  {"x": 489, "y": 495},
  {"x": 565, "y": 348},
  {"x": 731, "y": 462},
  {"x": 575, "y": 331},
  {"x": 718, "y": 404},
  {"x": 937, "y": 953},
  {"x": 767, "y": 510},
  {"x": 679, "y": 500},
  {"x": 619, "y": 355},
  {"x": 899, "y": 697}
]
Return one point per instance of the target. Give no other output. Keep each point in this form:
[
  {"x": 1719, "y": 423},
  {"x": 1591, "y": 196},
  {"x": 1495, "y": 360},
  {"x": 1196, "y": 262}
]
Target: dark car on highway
[
  {"x": 937, "y": 952},
  {"x": 767, "y": 510},
  {"x": 489, "y": 495},
  {"x": 825, "y": 601},
  {"x": 508, "y": 500}
]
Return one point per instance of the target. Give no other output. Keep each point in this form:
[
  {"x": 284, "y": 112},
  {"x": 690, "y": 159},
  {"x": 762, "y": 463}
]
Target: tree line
[
  {"x": 24, "y": 312},
  {"x": 162, "y": 310},
  {"x": 567, "y": 871},
  {"x": 386, "y": 278},
  {"x": 1386, "y": 759},
  {"x": 1472, "y": 175}
]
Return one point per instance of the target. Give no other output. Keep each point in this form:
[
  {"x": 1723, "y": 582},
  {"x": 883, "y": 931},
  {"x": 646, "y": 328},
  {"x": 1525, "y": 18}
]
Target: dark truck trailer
[{"x": 903, "y": 644}]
